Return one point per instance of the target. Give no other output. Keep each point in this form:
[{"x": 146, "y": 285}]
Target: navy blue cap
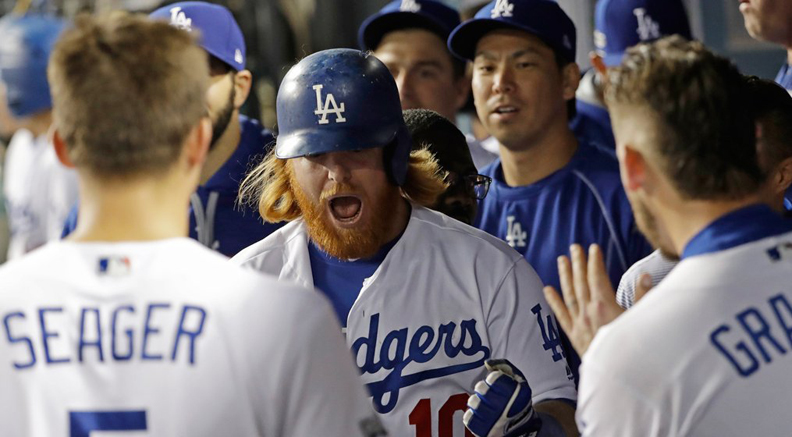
[
  {"x": 621, "y": 24},
  {"x": 220, "y": 33},
  {"x": 543, "y": 18},
  {"x": 431, "y": 15}
]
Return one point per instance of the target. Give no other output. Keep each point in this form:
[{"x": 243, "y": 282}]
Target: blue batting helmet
[
  {"x": 342, "y": 99},
  {"x": 25, "y": 45}
]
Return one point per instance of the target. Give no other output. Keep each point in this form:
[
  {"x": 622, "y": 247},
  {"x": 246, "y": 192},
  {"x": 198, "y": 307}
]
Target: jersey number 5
[{"x": 81, "y": 423}]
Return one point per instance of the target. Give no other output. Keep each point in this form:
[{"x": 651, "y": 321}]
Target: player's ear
[
  {"x": 60, "y": 148},
  {"x": 197, "y": 143},
  {"x": 783, "y": 176},
  {"x": 243, "y": 81},
  {"x": 571, "y": 79},
  {"x": 634, "y": 169},
  {"x": 598, "y": 63}
]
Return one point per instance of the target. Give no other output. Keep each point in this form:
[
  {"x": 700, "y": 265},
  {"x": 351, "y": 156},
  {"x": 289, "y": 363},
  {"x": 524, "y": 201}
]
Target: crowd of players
[{"x": 467, "y": 280}]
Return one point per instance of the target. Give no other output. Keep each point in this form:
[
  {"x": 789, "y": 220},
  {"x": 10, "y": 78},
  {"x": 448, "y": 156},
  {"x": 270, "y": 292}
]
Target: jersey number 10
[{"x": 421, "y": 416}]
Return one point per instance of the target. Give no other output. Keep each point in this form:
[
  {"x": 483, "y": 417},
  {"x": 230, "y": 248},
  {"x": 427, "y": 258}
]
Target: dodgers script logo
[
  {"x": 647, "y": 27},
  {"x": 409, "y": 6},
  {"x": 330, "y": 107},
  {"x": 397, "y": 352},
  {"x": 180, "y": 20},
  {"x": 502, "y": 9}
]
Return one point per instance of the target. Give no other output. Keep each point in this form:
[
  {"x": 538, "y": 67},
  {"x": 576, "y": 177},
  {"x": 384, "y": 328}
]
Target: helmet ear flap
[{"x": 397, "y": 156}]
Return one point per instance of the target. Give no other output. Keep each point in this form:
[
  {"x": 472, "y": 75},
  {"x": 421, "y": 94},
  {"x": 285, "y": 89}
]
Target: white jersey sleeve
[
  {"x": 519, "y": 319},
  {"x": 655, "y": 264}
]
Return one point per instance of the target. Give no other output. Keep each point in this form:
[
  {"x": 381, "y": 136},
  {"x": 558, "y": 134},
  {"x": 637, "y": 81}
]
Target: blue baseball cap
[
  {"x": 220, "y": 33},
  {"x": 431, "y": 15},
  {"x": 543, "y": 18},
  {"x": 621, "y": 24}
]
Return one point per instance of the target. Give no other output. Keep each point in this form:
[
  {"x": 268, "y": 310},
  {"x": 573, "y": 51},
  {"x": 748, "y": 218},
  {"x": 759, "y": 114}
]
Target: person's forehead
[
  {"x": 414, "y": 42},
  {"x": 511, "y": 41}
]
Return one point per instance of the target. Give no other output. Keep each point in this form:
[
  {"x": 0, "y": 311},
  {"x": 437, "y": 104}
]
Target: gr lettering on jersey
[
  {"x": 396, "y": 352},
  {"x": 756, "y": 335},
  {"x": 149, "y": 332}
]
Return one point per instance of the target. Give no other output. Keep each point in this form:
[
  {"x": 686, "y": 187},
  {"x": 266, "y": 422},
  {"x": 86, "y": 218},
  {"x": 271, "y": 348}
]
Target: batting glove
[{"x": 501, "y": 405}]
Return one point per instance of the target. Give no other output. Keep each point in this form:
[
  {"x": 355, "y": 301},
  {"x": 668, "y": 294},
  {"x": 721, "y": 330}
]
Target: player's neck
[
  {"x": 39, "y": 124},
  {"x": 688, "y": 218},
  {"x": 527, "y": 165},
  {"x": 223, "y": 149},
  {"x": 151, "y": 209},
  {"x": 789, "y": 55}
]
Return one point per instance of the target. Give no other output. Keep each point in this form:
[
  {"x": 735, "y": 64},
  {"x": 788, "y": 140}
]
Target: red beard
[{"x": 362, "y": 241}]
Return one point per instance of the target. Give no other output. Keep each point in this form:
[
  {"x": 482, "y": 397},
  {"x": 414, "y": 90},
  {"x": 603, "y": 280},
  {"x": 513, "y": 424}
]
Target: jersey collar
[{"x": 738, "y": 227}]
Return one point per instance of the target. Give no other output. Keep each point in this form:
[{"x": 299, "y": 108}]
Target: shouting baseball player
[
  {"x": 428, "y": 303},
  {"x": 130, "y": 326}
]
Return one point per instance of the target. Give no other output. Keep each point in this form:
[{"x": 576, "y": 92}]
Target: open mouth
[
  {"x": 345, "y": 209},
  {"x": 505, "y": 110}
]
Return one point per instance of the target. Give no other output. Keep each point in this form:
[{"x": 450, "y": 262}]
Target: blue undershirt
[
  {"x": 738, "y": 227},
  {"x": 341, "y": 280}
]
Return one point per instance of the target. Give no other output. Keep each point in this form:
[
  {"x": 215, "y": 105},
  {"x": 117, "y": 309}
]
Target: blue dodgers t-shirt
[
  {"x": 583, "y": 203},
  {"x": 341, "y": 280},
  {"x": 216, "y": 221},
  {"x": 592, "y": 125}
]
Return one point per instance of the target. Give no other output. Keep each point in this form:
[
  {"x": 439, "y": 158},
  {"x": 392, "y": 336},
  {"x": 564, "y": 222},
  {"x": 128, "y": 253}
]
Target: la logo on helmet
[
  {"x": 330, "y": 107},
  {"x": 502, "y": 9},
  {"x": 409, "y": 6},
  {"x": 180, "y": 20}
]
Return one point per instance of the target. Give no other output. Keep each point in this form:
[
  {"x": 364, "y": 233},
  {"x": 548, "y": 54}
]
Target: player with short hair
[
  {"x": 548, "y": 189},
  {"x": 216, "y": 219},
  {"x": 705, "y": 351},
  {"x": 38, "y": 190},
  {"x": 772, "y": 106},
  {"x": 409, "y": 36},
  {"x": 447, "y": 144},
  {"x": 621, "y": 24},
  {"x": 130, "y": 326},
  {"x": 426, "y": 301}
]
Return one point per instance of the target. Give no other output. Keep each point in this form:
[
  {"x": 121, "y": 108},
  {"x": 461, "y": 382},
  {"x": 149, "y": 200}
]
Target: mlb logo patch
[{"x": 114, "y": 266}]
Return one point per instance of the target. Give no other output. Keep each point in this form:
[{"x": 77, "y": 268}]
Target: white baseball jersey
[
  {"x": 167, "y": 339},
  {"x": 655, "y": 264},
  {"x": 706, "y": 353},
  {"x": 39, "y": 192},
  {"x": 445, "y": 298}
]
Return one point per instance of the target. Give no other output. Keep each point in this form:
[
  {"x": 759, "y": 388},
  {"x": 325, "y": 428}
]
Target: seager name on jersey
[
  {"x": 757, "y": 335},
  {"x": 397, "y": 352},
  {"x": 153, "y": 332}
]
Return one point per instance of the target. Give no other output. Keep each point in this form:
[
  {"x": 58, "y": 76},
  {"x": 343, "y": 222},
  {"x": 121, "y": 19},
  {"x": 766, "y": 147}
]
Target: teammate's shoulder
[
  {"x": 436, "y": 225},
  {"x": 255, "y": 128},
  {"x": 273, "y": 244},
  {"x": 491, "y": 168}
]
